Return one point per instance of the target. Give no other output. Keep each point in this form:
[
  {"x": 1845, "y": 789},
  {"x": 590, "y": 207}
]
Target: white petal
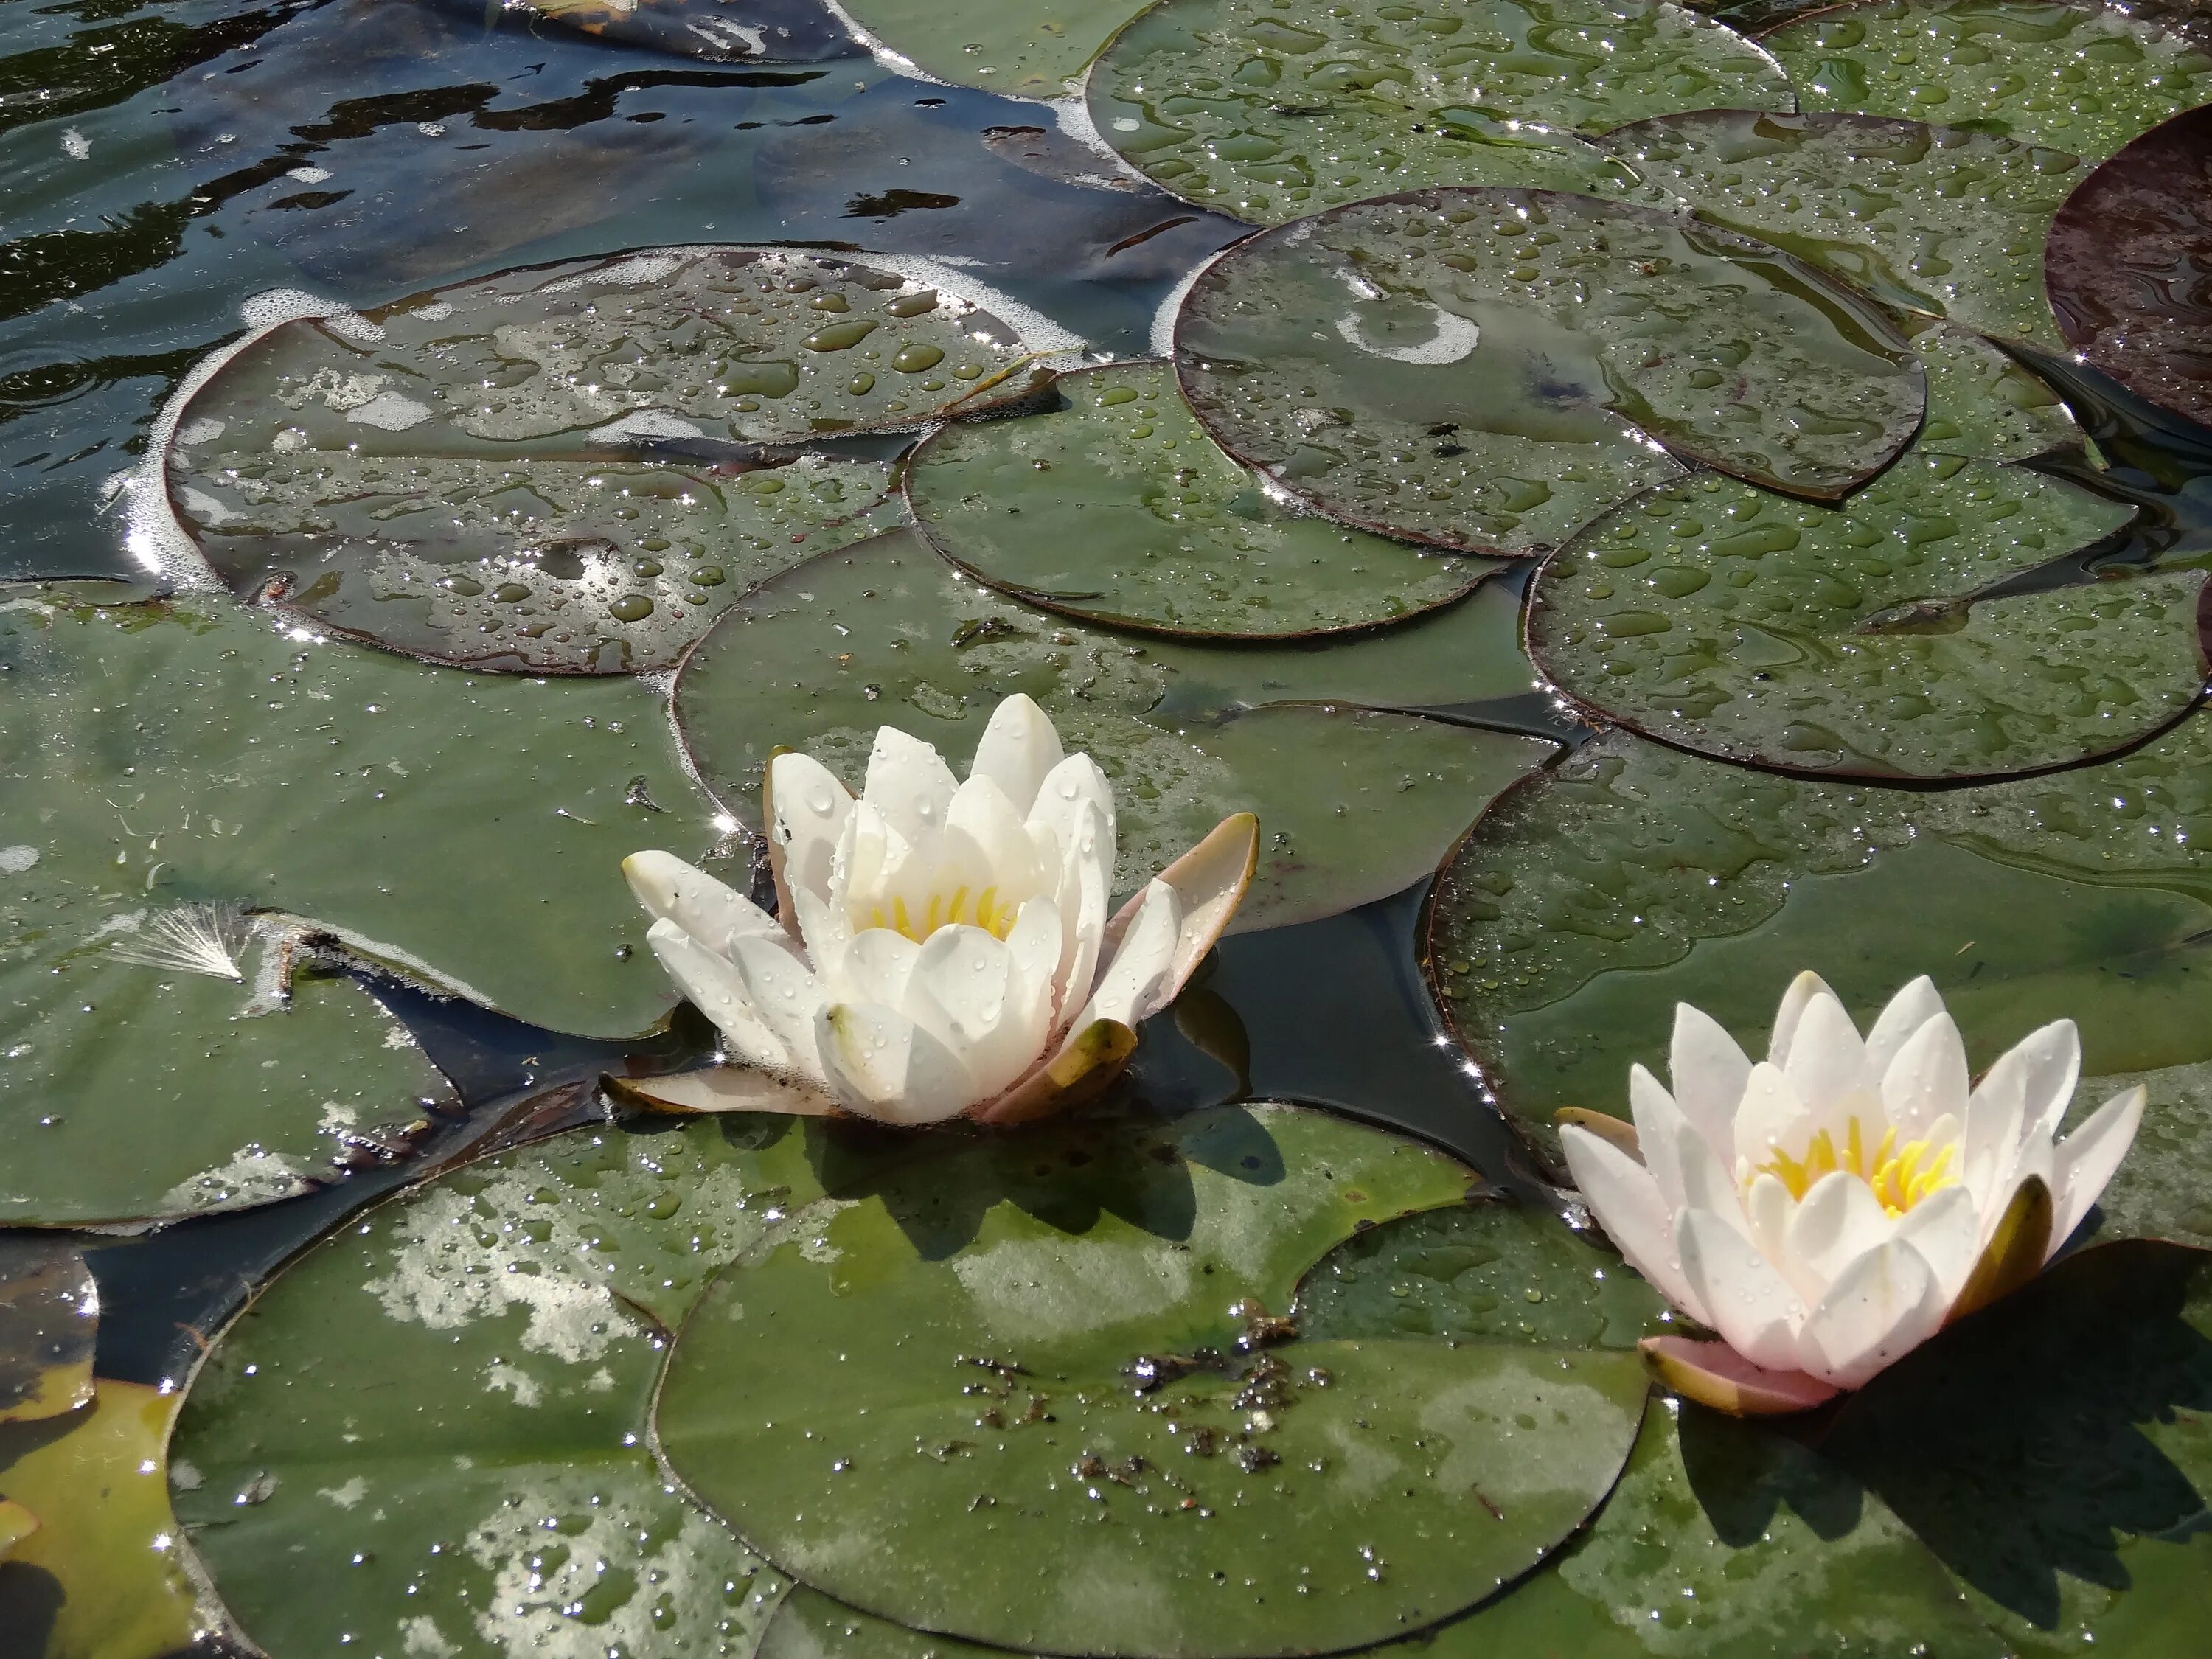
[
  {"x": 1659, "y": 1122},
  {"x": 1081, "y": 900},
  {"x": 1133, "y": 987},
  {"x": 824, "y": 928},
  {"x": 1010, "y": 861},
  {"x": 1018, "y": 748},
  {"x": 880, "y": 1064},
  {"x": 1620, "y": 1193},
  {"x": 1839, "y": 1220},
  {"x": 874, "y": 967},
  {"x": 1708, "y": 1071},
  {"x": 1927, "y": 1079},
  {"x": 1944, "y": 1228},
  {"x": 961, "y": 993},
  {"x": 1770, "y": 1117},
  {"x": 1881, "y": 1307},
  {"x": 1794, "y": 1001},
  {"x": 1768, "y": 1207},
  {"x": 709, "y": 910},
  {"x": 1033, "y": 946},
  {"x": 1751, "y": 1305},
  {"x": 714, "y": 986},
  {"x": 807, "y": 809},
  {"x": 909, "y": 783},
  {"x": 2086, "y": 1160},
  {"x": 1210, "y": 881},
  {"x": 1827, "y": 1061},
  {"x": 784, "y": 996},
  {"x": 868, "y": 850},
  {"x": 1990, "y": 1145},
  {"x": 1074, "y": 815},
  {"x": 2050, "y": 1062},
  {"x": 1905, "y": 1013},
  {"x": 1707, "y": 1184}
]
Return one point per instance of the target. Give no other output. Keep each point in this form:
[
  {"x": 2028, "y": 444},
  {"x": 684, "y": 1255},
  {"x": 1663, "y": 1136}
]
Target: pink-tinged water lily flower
[
  {"x": 941, "y": 948},
  {"x": 1832, "y": 1208}
]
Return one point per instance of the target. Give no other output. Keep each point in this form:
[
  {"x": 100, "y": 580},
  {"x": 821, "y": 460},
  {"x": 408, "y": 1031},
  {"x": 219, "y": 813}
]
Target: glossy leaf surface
[
  {"x": 1029, "y": 51},
  {"x": 1981, "y": 402}
]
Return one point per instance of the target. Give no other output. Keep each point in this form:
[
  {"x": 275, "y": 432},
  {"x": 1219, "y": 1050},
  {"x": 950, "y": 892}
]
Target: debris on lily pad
[
  {"x": 1272, "y": 112},
  {"x": 429, "y": 1433},
  {"x": 2128, "y": 266},
  {"x": 1070, "y": 1346},
  {"x": 1895, "y": 636},
  {"x": 1590, "y": 900},
  {"x": 1120, "y": 508},
  {"x": 2081, "y": 78},
  {"x": 1489, "y": 369},
  {"x": 1942, "y": 220},
  {"x": 1354, "y": 798},
  {"x": 572, "y": 468}
]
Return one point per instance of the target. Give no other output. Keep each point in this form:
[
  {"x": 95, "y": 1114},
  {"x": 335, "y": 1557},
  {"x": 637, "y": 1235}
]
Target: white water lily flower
[
  {"x": 1832, "y": 1208},
  {"x": 942, "y": 948}
]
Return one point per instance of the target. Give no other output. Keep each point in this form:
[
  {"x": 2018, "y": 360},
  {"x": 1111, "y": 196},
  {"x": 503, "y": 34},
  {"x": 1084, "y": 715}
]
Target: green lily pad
[
  {"x": 570, "y": 468},
  {"x": 1053, "y": 1321},
  {"x": 812, "y": 1625},
  {"x": 2055, "y": 1452},
  {"x": 1981, "y": 402},
  {"x": 1939, "y": 220},
  {"x": 1025, "y": 51},
  {"x": 1588, "y": 902},
  {"x": 49, "y": 1316},
  {"x": 1351, "y": 800},
  {"x": 101, "y": 1576},
  {"x": 1852, "y": 639},
  {"x": 1120, "y": 508},
  {"x": 2081, "y": 78},
  {"x": 191, "y": 751},
  {"x": 429, "y": 1435},
  {"x": 1378, "y": 358},
  {"x": 767, "y": 31},
  {"x": 1272, "y": 113},
  {"x": 1724, "y": 1541},
  {"x": 2164, "y": 1187}
]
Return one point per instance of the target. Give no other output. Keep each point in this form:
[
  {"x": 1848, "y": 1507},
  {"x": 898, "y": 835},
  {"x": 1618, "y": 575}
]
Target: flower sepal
[{"x": 1714, "y": 1374}]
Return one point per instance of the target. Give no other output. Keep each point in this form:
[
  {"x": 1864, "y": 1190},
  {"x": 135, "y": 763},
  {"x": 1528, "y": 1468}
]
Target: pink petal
[{"x": 1714, "y": 1374}]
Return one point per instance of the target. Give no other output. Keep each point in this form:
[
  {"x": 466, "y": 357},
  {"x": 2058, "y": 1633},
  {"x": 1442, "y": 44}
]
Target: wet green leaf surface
[
  {"x": 193, "y": 752},
  {"x": 1933, "y": 219},
  {"x": 1351, "y": 802},
  {"x": 558, "y": 469},
  {"x": 1488, "y": 368},
  {"x": 1120, "y": 507},
  {"x": 1587, "y": 903},
  {"x": 1029, "y": 50},
  {"x": 429, "y": 1434},
  {"x": 49, "y": 1316},
  {"x": 978, "y": 1458},
  {"x": 812, "y": 1625},
  {"x": 1983, "y": 405},
  {"x": 2055, "y": 1452},
  {"x": 2163, "y": 1188},
  {"x": 1272, "y": 115},
  {"x": 1848, "y": 639},
  {"x": 2085, "y": 78}
]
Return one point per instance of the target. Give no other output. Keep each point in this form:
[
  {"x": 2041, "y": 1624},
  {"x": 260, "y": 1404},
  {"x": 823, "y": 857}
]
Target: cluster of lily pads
[{"x": 1699, "y": 364}]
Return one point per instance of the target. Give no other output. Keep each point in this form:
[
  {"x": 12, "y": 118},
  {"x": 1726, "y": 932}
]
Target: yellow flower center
[
  {"x": 945, "y": 911},
  {"x": 1899, "y": 1175}
]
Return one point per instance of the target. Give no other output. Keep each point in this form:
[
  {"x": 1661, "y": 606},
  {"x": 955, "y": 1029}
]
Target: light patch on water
[
  {"x": 420, "y": 1638},
  {"x": 204, "y": 508},
  {"x": 346, "y": 1496},
  {"x": 1163, "y": 319},
  {"x": 390, "y": 412},
  {"x": 1035, "y": 1288},
  {"x": 1039, "y": 332},
  {"x": 436, "y": 311},
  {"x": 641, "y": 270},
  {"x": 14, "y": 860},
  {"x": 201, "y": 431},
  {"x": 1525, "y": 1430},
  {"x": 1456, "y": 337},
  {"x": 526, "y": 1389},
  {"x": 644, "y": 423},
  {"x": 254, "y": 1174},
  {"x": 725, "y": 35},
  {"x": 307, "y": 175},
  {"x": 76, "y": 145}
]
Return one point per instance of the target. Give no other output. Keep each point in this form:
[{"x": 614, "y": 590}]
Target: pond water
[{"x": 1641, "y": 502}]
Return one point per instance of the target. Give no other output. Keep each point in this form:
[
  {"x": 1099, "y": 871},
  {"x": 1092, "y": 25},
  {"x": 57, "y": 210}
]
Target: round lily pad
[
  {"x": 1053, "y": 1413},
  {"x": 1272, "y": 114},
  {"x": 429, "y": 1435},
  {"x": 1858, "y": 639},
  {"x": 571, "y": 468},
  {"x": 1588, "y": 901},
  {"x": 1118, "y": 507},
  {"x": 1940, "y": 220},
  {"x": 1351, "y": 799},
  {"x": 2078, "y": 1407},
  {"x": 2083, "y": 78},
  {"x": 1489, "y": 368},
  {"x": 191, "y": 752},
  {"x": 49, "y": 1316},
  {"x": 2126, "y": 266},
  {"x": 1981, "y": 404}
]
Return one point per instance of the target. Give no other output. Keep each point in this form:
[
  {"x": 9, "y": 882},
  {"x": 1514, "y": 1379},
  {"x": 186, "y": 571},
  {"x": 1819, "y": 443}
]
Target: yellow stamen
[{"x": 1894, "y": 1173}]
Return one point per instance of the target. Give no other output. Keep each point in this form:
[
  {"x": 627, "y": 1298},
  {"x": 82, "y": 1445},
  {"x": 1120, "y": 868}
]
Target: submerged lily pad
[
  {"x": 1272, "y": 114},
  {"x": 571, "y": 468},
  {"x": 1118, "y": 507},
  {"x": 2129, "y": 266},
  {"x": 1481, "y": 367},
  {"x": 1940, "y": 220},
  {"x": 1855, "y": 640},
  {"x": 427, "y": 1436},
  {"x": 1351, "y": 800},
  {"x": 49, "y": 1316},
  {"x": 1588, "y": 901},
  {"x": 1981, "y": 402},
  {"x": 2083, "y": 78},
  {"x": 100, "y": 1576},
  {"x": 193, "y": 752},
  {"x": 1072, "y": 1328},
  {"x": 2055, "y": 1452}
]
